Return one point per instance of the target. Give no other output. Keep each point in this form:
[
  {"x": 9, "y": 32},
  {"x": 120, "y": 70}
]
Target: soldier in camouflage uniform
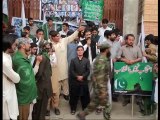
[{"x": 100, "y": 79}]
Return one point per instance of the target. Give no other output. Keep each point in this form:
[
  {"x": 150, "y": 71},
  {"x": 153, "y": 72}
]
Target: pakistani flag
[{"x": 5, "y": 12}]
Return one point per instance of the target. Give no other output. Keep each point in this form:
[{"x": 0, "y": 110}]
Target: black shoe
[
  {"x": 66, "y": 97},
  {"x": 73, "y": 112},
  {"x": 48, "y": 113},
  {"x": 57, "y": 112},
  {"x": 80, "y": 117},
  {"x": 114, "y": 99},
  {"x": 125, "y": 103}
]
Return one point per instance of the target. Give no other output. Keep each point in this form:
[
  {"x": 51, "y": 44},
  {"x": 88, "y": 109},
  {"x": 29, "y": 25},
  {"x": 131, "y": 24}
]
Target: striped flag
[
  {"x": 5, "y": 12},
  {"x": 23, "y": 15}
]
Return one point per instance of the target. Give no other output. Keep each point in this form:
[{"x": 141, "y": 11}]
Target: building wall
[
  {"x": 149, "y": 9},
  {"x": 130, "y": 17}
]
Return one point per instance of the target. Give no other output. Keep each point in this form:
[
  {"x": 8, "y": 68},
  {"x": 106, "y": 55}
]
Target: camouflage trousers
[{"x": 96, "y": 101}]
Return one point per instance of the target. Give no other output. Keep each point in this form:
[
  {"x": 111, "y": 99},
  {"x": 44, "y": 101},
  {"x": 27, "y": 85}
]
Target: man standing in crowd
[
  {"x": 10, "y": 103},
  {"x": 150, "y": 50},
  {"x": 71, "y": 48},
  {"x": 26, "y": 88},
  {"x": 109, "y": 38},
  {"x": 33, "y": 27},
  {"x": 35, "y": 61},
  {"x": 89, "y": 46},
  {"x": 60, "y": 46},
  {"x": 43, "y": 78},
  {"x": 100, "y": 80},
  {"x": 129, "y": 54},
  {"x": 79, "y": 71},
  {"x": 64, "y": 31},
  {"x": 104, "y": 27},
  {"x": 38, "y": 39},
  {"x": 95, "y": 37},
  {"x": 47, "y": 27},
  {"x": 27, "y": 29}
]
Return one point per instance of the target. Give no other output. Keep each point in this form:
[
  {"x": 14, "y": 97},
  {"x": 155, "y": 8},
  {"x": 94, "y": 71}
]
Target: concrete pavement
[{"x": 118, "y": 113}]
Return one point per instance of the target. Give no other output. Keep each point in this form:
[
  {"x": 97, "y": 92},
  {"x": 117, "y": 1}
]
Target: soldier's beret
[{"x": 104, "y": 45}]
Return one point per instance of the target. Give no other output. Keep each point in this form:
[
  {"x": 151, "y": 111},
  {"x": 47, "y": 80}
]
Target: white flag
[
  {"x": 144, "y": 59},
  {"x": 139, "y": 40},
  {"x": 143, "y": 34},
  {"x": 44, "y": 17},
  {"x": 23, "y": 16},
  {"x": 5, "y": 7}
]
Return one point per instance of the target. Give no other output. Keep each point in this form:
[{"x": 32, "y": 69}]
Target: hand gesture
[
  {"x": 81, "y": 28},
  {"x": 39, "y": 58},
  {"x": 89, "y": 41}
]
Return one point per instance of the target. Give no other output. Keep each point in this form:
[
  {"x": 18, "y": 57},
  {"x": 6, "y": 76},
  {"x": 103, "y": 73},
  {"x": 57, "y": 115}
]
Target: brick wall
[{"x": 150, "y": 12}]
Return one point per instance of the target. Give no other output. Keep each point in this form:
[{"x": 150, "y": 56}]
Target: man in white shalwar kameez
[{"x": 10, "y": 77}]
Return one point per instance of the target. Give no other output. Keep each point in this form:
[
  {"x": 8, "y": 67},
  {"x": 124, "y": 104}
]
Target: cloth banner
[{"x": 133, "y": 79}]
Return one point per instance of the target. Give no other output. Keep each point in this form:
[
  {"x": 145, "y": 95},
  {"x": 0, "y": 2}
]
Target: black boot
[{"x": 57, "y": 112}]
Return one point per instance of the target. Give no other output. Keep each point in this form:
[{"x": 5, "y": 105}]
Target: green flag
[{"x": 92, "y": 10}]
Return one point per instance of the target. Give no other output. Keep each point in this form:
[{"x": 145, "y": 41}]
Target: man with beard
[
  {"x": 109, "y": 37},
  {"x": 10, "y": 77},
  {"x": 43, "y": 78},
  {"x": 100, "y": 80},
  {"x": 130, "y": 54},
  {"x": 33, "y": 27},
  {"x": 95, "y": 37},
  {"x": 89, "y": 46},
  {"x": 26, "y": 88}
]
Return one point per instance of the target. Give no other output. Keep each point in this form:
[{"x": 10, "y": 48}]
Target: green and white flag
[
  {"x": 92, "y": 10},
  {"x": 5, "y": 11}
]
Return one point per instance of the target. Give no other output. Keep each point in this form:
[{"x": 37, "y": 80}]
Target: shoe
[
  {"x": 57, "y": 112},
  {"x": 73, "y": 112},
  {"x": 125, "y": 103},
  {"x": 98, "y": 111},
  {"x": 80, "y": 116},
  {"x": 66, "y": 97},
  {"x": 48, "y": 113},
  {"x": 114, "y": 99}
]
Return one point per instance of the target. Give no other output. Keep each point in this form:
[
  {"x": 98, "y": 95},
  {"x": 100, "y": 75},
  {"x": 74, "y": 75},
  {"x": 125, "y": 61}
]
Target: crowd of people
[{"x": 44, "y": 64}]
